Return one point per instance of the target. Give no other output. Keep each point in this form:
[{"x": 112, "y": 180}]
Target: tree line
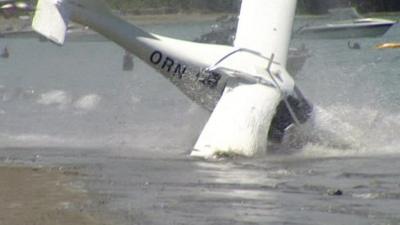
[
  {"x": 321, "y": 6},
  {"x": 179, "y": 5},
  {"x": 304, "y": 6}
]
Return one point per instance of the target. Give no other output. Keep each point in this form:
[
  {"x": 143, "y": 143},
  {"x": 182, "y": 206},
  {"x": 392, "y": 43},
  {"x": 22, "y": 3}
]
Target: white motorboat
[{"x": 345, "y": 29}]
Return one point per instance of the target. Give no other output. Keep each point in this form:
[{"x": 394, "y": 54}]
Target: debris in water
[
  {"x": 336, "y": 192},
  {"x": 5, "y": 53},
  {"x": 127, "y": 64}
]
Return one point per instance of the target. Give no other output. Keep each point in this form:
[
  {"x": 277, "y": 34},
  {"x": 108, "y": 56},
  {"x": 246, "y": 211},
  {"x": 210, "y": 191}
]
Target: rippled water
[{"x": 131, "y": 132}]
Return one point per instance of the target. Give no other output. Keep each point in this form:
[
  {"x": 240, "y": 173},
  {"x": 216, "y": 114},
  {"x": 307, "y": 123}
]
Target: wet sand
[{"x": 42, "y": 196}]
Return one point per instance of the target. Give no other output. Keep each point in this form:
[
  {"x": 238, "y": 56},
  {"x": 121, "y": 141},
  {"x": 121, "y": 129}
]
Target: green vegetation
[
  {"x": 304, "y": 6},
  {"x": 364, "y": 6},
  {"x": 176, "y": 5}
]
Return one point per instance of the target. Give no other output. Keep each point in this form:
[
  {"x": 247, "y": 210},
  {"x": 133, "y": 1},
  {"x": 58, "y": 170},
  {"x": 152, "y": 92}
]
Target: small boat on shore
[
  {"x": 389, "y": 45},
  {"x": 354, "y": 27}
]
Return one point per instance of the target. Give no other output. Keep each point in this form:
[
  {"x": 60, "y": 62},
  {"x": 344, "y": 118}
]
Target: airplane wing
[
  {"x": 257, "y": 78},
  {"x": 266, "y": 27},
  {"x": 243, "y": 116}
]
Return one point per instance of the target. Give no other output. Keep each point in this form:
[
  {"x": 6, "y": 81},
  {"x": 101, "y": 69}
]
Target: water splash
[{"x": 345, "y": 130}]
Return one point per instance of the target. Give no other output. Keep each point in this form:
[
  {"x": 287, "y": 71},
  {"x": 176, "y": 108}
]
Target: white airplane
[{"x": 252, "y": 97}]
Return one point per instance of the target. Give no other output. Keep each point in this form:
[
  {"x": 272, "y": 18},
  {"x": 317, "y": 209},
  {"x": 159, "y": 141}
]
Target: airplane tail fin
[
  {"x": 51, "y": 20},
  {"x": 52, "y": 16},
  {"x": 265, "y": 26}
]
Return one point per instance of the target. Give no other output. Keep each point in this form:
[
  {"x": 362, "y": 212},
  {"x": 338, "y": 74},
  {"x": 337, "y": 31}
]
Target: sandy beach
[{"x": 42, "y": 196}]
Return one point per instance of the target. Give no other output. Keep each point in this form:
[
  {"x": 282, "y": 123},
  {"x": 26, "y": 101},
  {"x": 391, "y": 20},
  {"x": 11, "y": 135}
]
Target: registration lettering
[{"x": 167, "y": 64}]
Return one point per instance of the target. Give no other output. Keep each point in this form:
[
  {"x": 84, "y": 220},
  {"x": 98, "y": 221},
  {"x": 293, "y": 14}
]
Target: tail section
[
  {"x": 52, "y": 16},
  {"x": 51, "y": 20},
  {"x": 265, "y": 26}
]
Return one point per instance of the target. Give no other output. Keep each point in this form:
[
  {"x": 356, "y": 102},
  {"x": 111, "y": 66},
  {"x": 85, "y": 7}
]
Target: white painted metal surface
[
  {"x": 240, "y": 122},
  {"x": 266, "y": 26},
  {"x": 51, "y": 20}
]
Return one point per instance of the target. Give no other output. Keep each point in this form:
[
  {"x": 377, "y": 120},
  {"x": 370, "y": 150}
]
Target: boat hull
[{"x": 344, "y": 32}]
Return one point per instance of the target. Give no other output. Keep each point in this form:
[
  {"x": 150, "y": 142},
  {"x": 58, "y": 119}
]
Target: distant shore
[
  {"x": 16, "y": 23},
  {"x": 174, "y": 18},
  {"x": 146, "y": 19}
]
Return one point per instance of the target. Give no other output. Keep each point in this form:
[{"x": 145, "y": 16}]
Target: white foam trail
[
  {"x": 87, "y": 102},
  {"x": 54, "y": 97},
  {"x": 136, "y": 99},
  {"x": 43, "y": 140},
  {"x": 34, "y": 140}
]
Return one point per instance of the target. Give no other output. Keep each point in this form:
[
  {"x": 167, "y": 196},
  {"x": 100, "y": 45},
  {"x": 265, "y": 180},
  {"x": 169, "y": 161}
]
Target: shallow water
[{"x": 131, "y": 133}]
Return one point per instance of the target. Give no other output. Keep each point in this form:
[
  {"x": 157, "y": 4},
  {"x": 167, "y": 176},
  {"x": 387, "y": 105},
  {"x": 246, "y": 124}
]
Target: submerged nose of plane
[{"x": 283, "y": 119}]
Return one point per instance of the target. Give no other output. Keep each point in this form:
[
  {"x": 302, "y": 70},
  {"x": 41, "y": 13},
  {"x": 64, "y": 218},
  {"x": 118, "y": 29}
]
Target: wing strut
[{"x": 289, "y": 107}]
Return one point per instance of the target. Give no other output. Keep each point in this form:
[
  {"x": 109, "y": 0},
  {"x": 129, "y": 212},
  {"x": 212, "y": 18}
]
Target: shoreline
[
  {"x": 17, "y": 23},
  {"x": 159, "y": 19},
  {"x": 174, "y": 18}
]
